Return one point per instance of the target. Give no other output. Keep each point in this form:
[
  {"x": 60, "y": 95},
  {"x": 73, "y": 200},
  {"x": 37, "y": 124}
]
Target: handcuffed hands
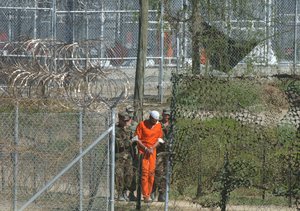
[{"x": 149, "y": 150}]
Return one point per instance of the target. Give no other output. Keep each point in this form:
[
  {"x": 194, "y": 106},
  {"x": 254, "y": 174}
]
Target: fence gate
[{"x": 54, "y": 160}]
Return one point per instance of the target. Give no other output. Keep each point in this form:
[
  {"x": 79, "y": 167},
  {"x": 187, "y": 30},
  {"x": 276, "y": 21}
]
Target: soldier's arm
[{"x": 118, "y": 138}]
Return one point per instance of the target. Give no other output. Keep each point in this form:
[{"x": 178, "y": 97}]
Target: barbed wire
[{"x": 73, "y": 73}]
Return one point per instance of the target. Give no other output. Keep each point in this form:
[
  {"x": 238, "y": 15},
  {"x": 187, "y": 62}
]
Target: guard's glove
[
  {"x": 135, "y": 138},
  {"x": 161, "y": 141}
]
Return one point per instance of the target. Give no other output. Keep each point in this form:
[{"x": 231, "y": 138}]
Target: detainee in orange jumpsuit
[{"x": 148, "y": 133}]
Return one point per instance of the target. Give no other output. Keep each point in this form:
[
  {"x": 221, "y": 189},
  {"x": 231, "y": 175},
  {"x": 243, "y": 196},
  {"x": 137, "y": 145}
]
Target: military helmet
[
  {"x": 124, "y": 116},
  {"x": 129, "y": 109},
  {"x": 167, "y": 111}
]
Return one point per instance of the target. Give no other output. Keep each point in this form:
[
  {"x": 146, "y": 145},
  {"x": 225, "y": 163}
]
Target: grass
[
  {"x": 227, "y": 95},
  {"x": 252, "y": 196},
  {"x": 241, "y": 196}
]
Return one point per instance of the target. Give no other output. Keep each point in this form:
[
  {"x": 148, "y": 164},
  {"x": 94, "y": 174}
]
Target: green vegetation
[
  {"x": 220, "y": 159},
  {"x": 228, "y": 95}
]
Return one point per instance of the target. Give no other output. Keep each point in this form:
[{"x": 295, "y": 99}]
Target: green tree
[{"x": 209, "y": 25}]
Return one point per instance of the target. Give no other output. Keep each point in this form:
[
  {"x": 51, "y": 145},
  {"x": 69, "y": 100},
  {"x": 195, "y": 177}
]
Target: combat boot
[
  {"x": 124, "y": 195},
  {"x": 161, "y": 197},
  {"x": 121, "y": 198},
  {"x": 132, "y": 196},
  {"x": 153, "y": 196}
]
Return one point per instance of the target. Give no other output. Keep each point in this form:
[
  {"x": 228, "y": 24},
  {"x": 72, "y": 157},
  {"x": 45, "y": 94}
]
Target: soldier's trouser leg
[
  {"x": 134, "y": 177},
  {"x": 119, "y": 177},
  {"x": 160, "y": 175},
  {"x": 148, "y": 172},
  {"x": 128, "y": 174},
  {"x": 132, "y": 187}
]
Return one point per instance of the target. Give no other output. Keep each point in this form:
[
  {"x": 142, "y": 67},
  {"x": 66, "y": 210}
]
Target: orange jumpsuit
[{"x": 148, "y": 135}]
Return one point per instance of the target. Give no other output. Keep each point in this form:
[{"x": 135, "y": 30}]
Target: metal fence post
[
  {"x": 107, "y": 121},
  {"x": 53, "y": 29},
  {"x": 290, "y": 174},
  {"x": 35, "y": 19},
  {"x": 53, "y": 24},
  {"x": 167, "y": 183},
  {"x": 139, "y": 182},
  {"x": 174, "y": 80},
  {"x": 80, "y": 161},
  {"x": 70, "y": 21},
  {"x": 15, "y": 157},
  {"x": 102, "y": 19},
  {"x": 161, "y": 66},
  {"x": 295, "y": 35},
  {"x": 112, "y": 160},
  {"x": 10, "y": 38},
  {"x": 184, "y": 32},
  {"x": 87, "y": 23},
  {"x": 178, "y": 52}
]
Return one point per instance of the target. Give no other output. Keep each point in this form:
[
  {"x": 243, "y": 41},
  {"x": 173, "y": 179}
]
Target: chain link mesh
[
  {"x": 41, "y": 143},
  {"x": 58, "y": 56},
  {"x": 273, "y": 23}
]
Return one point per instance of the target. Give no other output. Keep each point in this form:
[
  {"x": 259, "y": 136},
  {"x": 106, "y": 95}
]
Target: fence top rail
[
  {"x": 25, "y": 8},
  {"x": 74, "y": 11}
]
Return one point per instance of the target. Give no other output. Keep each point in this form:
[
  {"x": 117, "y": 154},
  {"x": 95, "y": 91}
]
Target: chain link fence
[
  {"x": 237, "y": 37},
  {"x": 80, "y": 56},
  {"x": 272, "y": 22},
  {"x": 37, "y": 144},
  {"x": 55, "y": 149},
  {"x": 116, "y": 22}
]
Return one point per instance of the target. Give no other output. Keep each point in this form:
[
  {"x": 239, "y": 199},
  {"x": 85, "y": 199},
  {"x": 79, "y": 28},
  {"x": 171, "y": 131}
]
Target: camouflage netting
[{"x": 235, "y": 141}]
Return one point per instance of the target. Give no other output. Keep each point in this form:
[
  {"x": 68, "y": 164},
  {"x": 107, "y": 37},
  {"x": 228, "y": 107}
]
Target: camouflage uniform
[
  {"x": 134, "y": 153},
  {"x": 124, "y": 169},
  {"x": 161, "y": 163}
]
